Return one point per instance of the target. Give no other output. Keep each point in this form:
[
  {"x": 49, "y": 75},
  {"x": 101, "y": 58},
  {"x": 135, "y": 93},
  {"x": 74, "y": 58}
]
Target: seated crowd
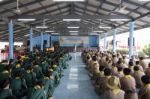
[
  {"x": 32, "y": 76},
  {"x": 115, "y": 78}
]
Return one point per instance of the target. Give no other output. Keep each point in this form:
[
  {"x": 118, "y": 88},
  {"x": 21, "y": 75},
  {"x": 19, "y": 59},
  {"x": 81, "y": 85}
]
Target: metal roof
[{"x": 92, "y": 13}]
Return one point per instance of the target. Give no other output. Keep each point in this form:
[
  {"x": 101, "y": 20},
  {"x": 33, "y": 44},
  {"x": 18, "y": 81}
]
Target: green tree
[{"x": 146, "y": 50}]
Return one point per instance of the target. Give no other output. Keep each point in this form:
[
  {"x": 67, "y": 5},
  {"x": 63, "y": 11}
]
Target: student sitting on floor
[
  {"x": 38, "y": 71},
  {"x": 103, "y": 81},
  {"x": 147, "y": 71},
  {"x": 137, "y": 63},
  {"x": 30, "y": 77},
  {"x": 143, "y": 63},
  {"x": 37, "y": 92},
  {"x": 18, "y": 86},
  {"x": 137, "y": 75},
  {"x": 114, "y": 91},
  {"x": 144, "y": 92},
  {"x": 4, "y": 89},
  {"x": 128, "y": 84},
  {"x": 5, "y": 73},
  {"x": 48, "y": 82}
]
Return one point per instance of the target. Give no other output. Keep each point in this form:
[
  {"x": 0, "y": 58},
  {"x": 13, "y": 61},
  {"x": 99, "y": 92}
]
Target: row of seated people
[
  {"x": 33, "y": 76},
  {"x": 115, "y": 78}
]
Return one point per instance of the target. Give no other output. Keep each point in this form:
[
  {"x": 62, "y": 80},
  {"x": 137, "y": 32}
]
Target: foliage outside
[
  {"x": 146, "y": 50},
  {"x": 122, "y": 51}
]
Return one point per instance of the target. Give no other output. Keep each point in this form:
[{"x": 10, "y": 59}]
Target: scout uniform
[
  {"x": 5, "y": 91},
  {"x": 4, "y": 75},
  {"x": 49, "y": 85},
  {"x": 114, "y": 91},
  {"x": 128, "y": 84},
  {"x": 56, "y": 75},
  {"x": 36, "y": 92},
  {"x": 38, "y": 71},
  {"x": 30, "y": 77},
  {"x": 137, "y": 75},
  {"x": 147, "y": 71},
  {"x": 17, "y": 69},
  {"x": 18, "y": 86},
  {"x": 144, "y": 64},
  {"x": 144, "y": 92},
  {"x": 44, "y": 66}
]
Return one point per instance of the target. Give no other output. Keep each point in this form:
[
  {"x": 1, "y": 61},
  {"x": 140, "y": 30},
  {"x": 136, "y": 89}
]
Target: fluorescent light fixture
[
  {"x": 144, "y": 0},
  {"x": 93, "y": 34},
  {"x": 41, "y": 27},
  {"x": 119, "y": 19},
  {"x": 49, "y": 31},
  {"x": 74, "y": 34},
  {"x": 26, "y": 35},
  {"x": 69, "y": 27},
  {"x": 97, "y": 31},
  {"x": 69, "y": 0},
  {"x": 105, "y": 27},
  {"x": 73, "y": 31},
  {"x": 71, "y": 20},
  {"x": 55, "y": 33},
  {"x": 26, "y": 19}
]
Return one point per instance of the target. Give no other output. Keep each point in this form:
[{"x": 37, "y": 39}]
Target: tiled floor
[{"x": 75, "y": 84}]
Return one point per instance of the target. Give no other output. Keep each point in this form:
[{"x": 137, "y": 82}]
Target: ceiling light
[
  {"x": 71, "y": 19},
  {"x": 1, "y": 0},
  {"x": 73, "y": 27},
  {"x": 41, "y": 27},
  {"x": 74, "y": 34},
  {"x": 69, "y": 0},
  {"x": 97, "y": 31},
  {"x": 26, "y": 35},
  {"x": 93, "y": 34},
  {"x": 49, "y": 31},
  {"x": 55, "y": 33},
  {"x": 119, "y": 19},
  {"x": 105, "y": 27},
  {"x": 144, "y": 0},
  {"x": 73, "y": 31},
  {"x": 26, "y": 19}
]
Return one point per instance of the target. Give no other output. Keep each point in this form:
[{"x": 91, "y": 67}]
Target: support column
[
  {"x": 31, "y": 40},
  {"x": 11, "y": 40},
  {"x": 48, "y": 42},
  {"x": 131, "y": 30},
  {"x": 105, "y": 36},
  {"x": 114, "y": 41},
  {"x": 42, "y": 42},
  {"x": 99, "y": 41}
]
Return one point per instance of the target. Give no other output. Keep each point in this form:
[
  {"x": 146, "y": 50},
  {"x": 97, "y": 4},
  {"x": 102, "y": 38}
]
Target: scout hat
[{"x": 113, "y": 83}]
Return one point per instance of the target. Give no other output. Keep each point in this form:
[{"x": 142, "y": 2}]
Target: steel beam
[{"x": 93, "y": 17}]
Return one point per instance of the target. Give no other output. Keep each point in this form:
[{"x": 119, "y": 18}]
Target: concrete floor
[{"x": 75, "y": 84}]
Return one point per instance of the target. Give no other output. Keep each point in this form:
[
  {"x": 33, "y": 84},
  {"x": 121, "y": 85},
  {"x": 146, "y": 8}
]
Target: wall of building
[{"x": 93, "y": 40}]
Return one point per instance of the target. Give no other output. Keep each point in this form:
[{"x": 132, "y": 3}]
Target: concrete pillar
[
  {"x": 31, "y": 39},
  {"x": 42, "y": 42},
  {"x": 99, "y": 41},
  {"x": 131, "y": 30},
  {"x": 11, "y": 40},
  {"x": 48, "y": 41},
  {"x": 105, "y": 41},
  {"x": 114, "y": 41}
]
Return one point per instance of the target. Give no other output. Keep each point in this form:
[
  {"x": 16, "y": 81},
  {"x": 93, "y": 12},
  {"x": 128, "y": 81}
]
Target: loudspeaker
[
  {"x": 28, "y": 42},
  {"x": 133, "y": 41},
  {"x": 45, "y": 41}
]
